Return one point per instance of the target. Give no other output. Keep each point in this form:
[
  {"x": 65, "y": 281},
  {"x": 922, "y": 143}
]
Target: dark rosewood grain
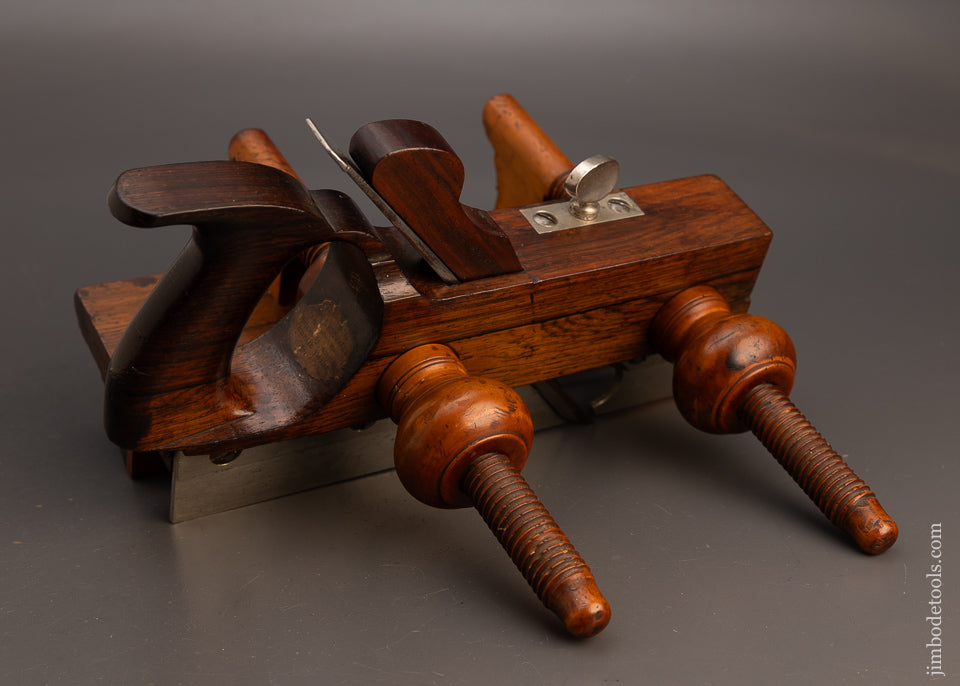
[
  {"x": 584, "y": 300},
  {"x": 414, "y": 169},
  {"x": 178, "y": 370}
]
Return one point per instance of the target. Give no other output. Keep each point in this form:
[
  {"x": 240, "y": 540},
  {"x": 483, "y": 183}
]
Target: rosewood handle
[
  {"x": 254, "y": 145},
  {"x": 735, "y": 371},
  {"x": 171, "y": 374},
  {"x": 414, "y": 169},
  {"x": 530, "y": 167}
]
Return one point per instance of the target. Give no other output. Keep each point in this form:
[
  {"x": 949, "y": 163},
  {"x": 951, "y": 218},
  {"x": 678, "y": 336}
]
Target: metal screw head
[
  {"x": 225, "y": 458},
  {"x": 545, "y": 219},
  {"x": 593, "y": 179}
]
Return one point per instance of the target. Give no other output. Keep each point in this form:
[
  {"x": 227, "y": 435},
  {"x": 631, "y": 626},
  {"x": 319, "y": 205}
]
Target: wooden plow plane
[{"x": 288, "y": 320}]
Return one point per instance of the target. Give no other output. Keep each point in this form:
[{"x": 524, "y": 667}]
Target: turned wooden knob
[
  {"x": 462, "y": 440},
  {"x": 734, "y": 372},
  {"x": 447, "y": 419},
  {"x": 719, "y": 357}
]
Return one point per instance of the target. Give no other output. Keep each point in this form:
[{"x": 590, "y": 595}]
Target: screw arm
[
  {"x": 735, "y": 371},
  {"x": 536, "y": 544},
  {"x": 462, "y": 440},
  {"x": 818, "y": 469}
]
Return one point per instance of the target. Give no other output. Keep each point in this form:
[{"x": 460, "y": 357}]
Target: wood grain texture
[
  {"x": 734, "y": 371},
  {"x": 719, "y": 357},
  {"x": 446, "y": 419},
  {"x": 584, "y": 299},
  {"x": 530, "y": 167},
  {"x": 254, "y": 145},
  {"x": 463, "y": 440},
  {"x": 178, "y": 370},
  {"x": 414, "y": 169}
]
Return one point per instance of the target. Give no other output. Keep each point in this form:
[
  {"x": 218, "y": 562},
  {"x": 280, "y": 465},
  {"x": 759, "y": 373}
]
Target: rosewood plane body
[
  {"x": 288, "y": 315},
  {"x": 583, "y": 299}
]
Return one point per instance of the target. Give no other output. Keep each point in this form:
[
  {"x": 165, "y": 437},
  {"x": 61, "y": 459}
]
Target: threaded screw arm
[
  {"x": 536, "y": 544},
  {"x": 817, "y": 468}
]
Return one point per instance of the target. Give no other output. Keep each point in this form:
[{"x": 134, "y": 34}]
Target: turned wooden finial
[
  {"x": 719, "y": 357},
  {"x": 734, "y": 372},
  {"x": 462, "y": 440},
  {"x": 446, "y": 419}
]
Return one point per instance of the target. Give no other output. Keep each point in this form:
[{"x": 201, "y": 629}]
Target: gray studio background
[{"x": 836, "y": 122}]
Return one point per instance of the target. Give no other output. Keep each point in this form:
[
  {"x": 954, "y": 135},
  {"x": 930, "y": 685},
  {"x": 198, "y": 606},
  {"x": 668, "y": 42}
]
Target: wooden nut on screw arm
[
  {"x": 462, "y": 440},
  {"x": 446, "y": 419},
  {"x": 734, "y": 372}
]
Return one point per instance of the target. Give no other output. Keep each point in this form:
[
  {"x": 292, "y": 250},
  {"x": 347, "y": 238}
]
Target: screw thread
[
  {"x": 817, "y": 468},
  {"x": 536, "y": 544}
]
